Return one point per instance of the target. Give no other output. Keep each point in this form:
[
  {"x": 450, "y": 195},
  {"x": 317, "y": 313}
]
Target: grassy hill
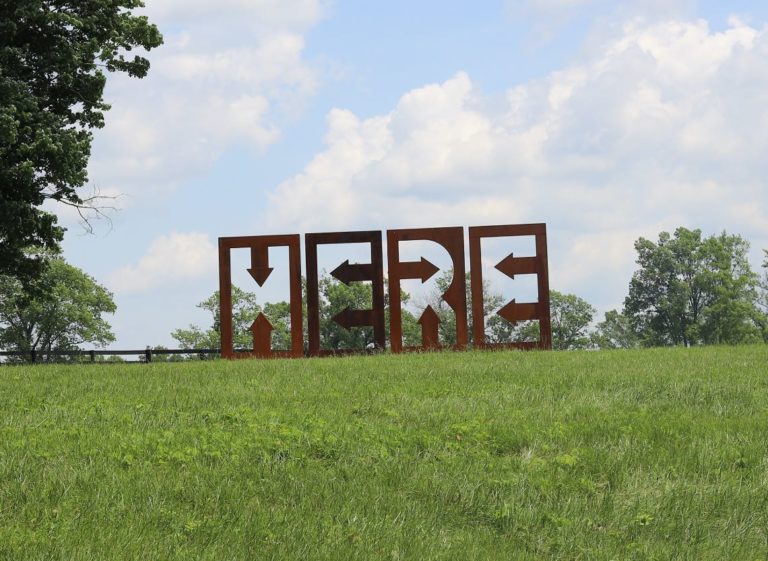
[{"x": 653, "y": 454}]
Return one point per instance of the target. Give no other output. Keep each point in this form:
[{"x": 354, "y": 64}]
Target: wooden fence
[{"x": 144, "y": 355}]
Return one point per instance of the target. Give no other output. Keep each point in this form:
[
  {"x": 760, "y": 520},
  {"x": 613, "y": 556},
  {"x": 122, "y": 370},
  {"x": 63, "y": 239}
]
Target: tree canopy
[
  {"x": 63, "y": 311},
  {"x": 615, "y": 332},
  {"x": 691, "y": 290},
  {"x": 244, "y": 311},
  {"x": 53, "y": 58}
]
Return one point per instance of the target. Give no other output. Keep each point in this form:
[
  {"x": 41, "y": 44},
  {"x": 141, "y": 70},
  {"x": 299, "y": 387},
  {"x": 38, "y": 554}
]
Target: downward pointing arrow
[
  {"x": 260, "y": 269},
  {"x": 347, "y": 273},
  {"x": 514, "y": 312},
  {"x": 430, "y": 323},
  {"x": 417, "y": 270},
  {"x": 512, "y": 265},
  {"x": 262, "y": 336}
]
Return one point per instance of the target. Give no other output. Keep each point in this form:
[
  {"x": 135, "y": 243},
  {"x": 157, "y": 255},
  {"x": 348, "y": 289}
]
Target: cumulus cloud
[
  {"x": 662, "y": 126},
  {"x": 224, "y": 77},
  {"x": 547, "y": 17},
  {"x": 169, "y": 259}
]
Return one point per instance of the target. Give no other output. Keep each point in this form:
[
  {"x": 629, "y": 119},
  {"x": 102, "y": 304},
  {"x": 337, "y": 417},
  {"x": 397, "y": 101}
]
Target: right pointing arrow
[
  {"x": 260, "y": 268},
  {"x": 430, "y": 323},
  {"x": 514, "y": 312},
  {"x": 512, "y": 265},
  {"x": 417, "y": 270},
  {"x": 262, "y": 336}
]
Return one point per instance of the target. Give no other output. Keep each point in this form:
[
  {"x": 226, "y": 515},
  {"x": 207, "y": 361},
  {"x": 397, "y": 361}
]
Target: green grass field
[{"x": 654, "y": 454}]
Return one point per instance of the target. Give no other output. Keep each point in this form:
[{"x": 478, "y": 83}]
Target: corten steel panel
[
  {"x": 260, "y": 271},
  {"x": 346, "y": 272},
  {"x": 452, "y": 239},
  {"x": 511, "y": 266}
]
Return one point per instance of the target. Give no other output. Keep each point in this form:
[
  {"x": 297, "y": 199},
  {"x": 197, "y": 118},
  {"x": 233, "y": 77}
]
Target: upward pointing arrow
[
  {"x": 430, "y": 323},
  {"x": 260, "y": 269},
  {"x": 347, "y": 272},
  {"x": 417, "y": 270},
  {"x": 512, "y": 265},
  {"x": 262, "y": 336}
]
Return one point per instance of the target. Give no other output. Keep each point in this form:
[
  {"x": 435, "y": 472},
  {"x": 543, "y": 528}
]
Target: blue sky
[{"x": 607, "y": 120}]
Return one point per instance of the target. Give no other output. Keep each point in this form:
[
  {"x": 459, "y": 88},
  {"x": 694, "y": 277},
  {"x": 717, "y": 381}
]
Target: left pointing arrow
[
  {"x": 349, "y": 318},
  {"x": 260, "y": 269},
  {"x": 347, "y": 272},
  {"x": 512, "y": 265},
  {"x": 514, "y": 311},
  {"x": 262, "y": 336}
]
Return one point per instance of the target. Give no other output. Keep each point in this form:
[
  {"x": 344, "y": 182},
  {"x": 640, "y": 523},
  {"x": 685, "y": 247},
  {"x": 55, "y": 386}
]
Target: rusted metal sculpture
[
  {"x": 451, "y": 239},
  {"x": 347, "y": 273},
  {"x": 514, "y": 311},
  {"x": 260, "y": 271}
]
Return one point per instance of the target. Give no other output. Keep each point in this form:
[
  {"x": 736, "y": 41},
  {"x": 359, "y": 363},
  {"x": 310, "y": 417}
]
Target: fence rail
[{"x": 147, "y": 354}]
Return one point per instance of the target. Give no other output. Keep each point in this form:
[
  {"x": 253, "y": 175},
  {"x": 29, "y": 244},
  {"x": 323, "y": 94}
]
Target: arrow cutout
[
  {"x": 514, "y": 312},
  {"x": 262, "y": 336},
  {"x": 348, "y": 318},
  {"x": 417, "y": 270},
  {"x": 430, "y": 323},
  {"x": 260, "y": 269},
  {"x": 512, "y": 265},
  {"x": 348, "y": 273}
]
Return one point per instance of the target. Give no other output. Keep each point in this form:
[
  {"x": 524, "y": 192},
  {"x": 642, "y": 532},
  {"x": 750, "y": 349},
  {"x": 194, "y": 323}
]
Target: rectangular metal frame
[
  {"x": 373, "y": 271},
  {"x": 526, "y": 265},
  {"x": 452, "y": 240},
  {"x": 259, "y": 245}
]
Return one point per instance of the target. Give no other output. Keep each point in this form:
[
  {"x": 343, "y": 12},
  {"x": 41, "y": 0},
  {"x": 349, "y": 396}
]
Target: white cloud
[
  {"x": 661, "y": 127},
  {"x": 226, "y": 75},
  {"x": 298, "y": 15},
  {"x": 170, "y": 259},
  {"x": 549, "y": 16}
]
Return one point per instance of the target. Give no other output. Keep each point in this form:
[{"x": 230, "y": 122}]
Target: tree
[
  {"x": 570, "y": 317},
  {"x": 336, "y": 296},
  {"x": 615, "y": 332},
  {"x": 53, "y": 54},
  {"x": 244, "y": 312},
  {"x": 447, "y": 327},
  {"x": 691, "y": 290},
  {"x": 763, "y": 303},
  {"x": 62, "y": 311}
]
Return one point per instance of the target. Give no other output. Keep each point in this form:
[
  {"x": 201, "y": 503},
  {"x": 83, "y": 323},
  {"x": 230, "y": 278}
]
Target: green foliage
[
  {"x": 335, "y": 297},
  {"x": 645, "y": 454},
  {"x": 52, "y": 60},
  {"x": 763, "y": 298},
  {"x": 497, "y": 327},
  {"x": 615, "y": 332},
  {"x": 244, "y": 312},
  {"x": 571, "y": 317},
  {"x": 691, "y": 290},
  {"x": 59, "y": 311}
]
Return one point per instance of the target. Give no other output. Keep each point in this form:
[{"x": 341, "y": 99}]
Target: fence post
[
  {"x": 148, "y": 354},
  {"x": 93, "y": 355},
  {"x": 33, "y": 355}
]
